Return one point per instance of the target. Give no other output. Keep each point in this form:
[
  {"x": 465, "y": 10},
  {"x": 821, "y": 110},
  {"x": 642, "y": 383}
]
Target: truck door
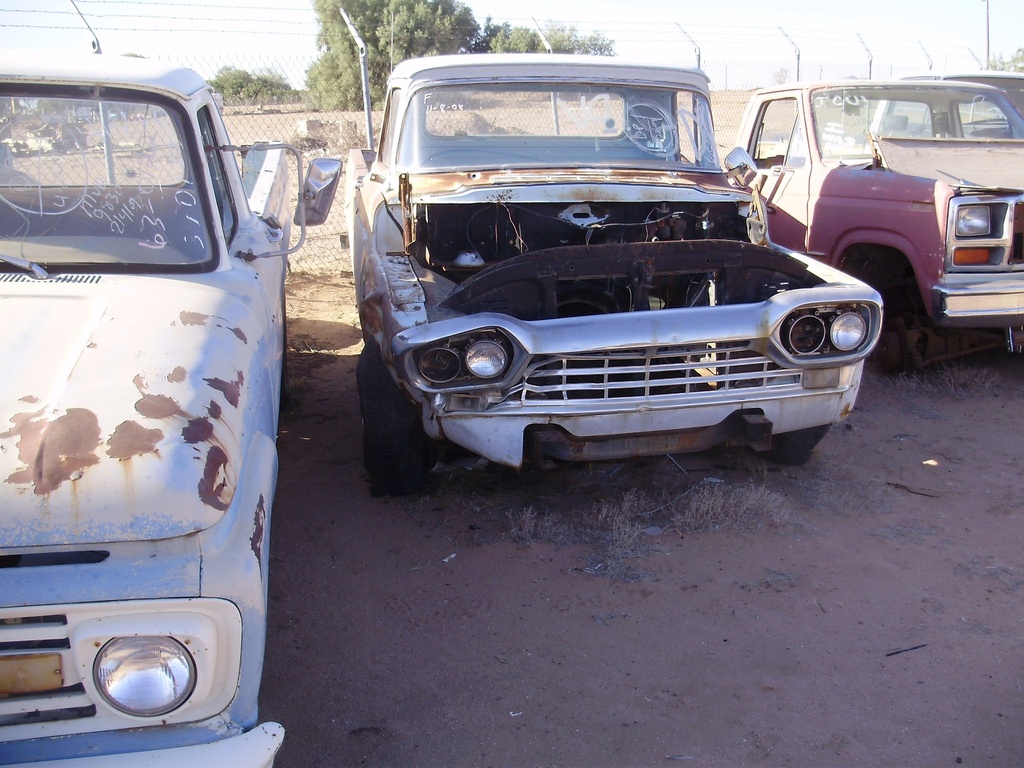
[{"x": 780, "y": 152}]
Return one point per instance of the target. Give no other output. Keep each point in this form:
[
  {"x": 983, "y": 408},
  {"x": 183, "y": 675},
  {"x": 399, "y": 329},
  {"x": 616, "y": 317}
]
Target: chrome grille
[
  {"x": 652, "y": 372},
  {"x": 1017, "y": 234},
  {"x": 22, "y": 278},
  {"x": 24, "y": 641}
]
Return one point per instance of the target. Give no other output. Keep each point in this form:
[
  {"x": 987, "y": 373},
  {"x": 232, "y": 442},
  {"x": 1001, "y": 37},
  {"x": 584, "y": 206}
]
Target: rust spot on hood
[
  {"x": 177, "y": 376},
  {"x": 54, "y": 451},
  {"x": 232, "y": 390},
  {"x": 193, "y": 318},
  {"x": 214, "y": 409},
  {"x": 240, "y": 334},
  {"x": 132, "y": 439},
  {"x": 198, "y": 430},
  {"x": 214, "y": 481},
  {"x": 157, "y": 406}
]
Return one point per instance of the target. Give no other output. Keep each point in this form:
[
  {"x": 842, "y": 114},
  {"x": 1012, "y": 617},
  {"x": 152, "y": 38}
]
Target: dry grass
[
  {"x": 615, "y": 512},
  {"x": 960, "y": 380},
  {"x": 714, "y": 506}
]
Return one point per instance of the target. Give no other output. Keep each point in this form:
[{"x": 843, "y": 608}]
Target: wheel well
[{"x": 889, "y": 272}]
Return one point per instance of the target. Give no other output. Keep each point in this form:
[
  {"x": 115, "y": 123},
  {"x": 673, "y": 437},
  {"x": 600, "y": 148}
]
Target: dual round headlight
[
  {"x": 144, "y": 676},
  {"x": 845, "y": 332},
  {"x": 484, "y": 359},
  {"x": 848, "y": 331}
]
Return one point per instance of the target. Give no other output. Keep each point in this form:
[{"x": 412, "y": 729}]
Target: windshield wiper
[{"x": 29, "y": 266}]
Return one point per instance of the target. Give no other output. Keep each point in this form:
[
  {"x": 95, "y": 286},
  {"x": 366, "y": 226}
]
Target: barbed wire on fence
[
  {"x": 333, "y": 134},
  {"x": 737, "y": 59}
]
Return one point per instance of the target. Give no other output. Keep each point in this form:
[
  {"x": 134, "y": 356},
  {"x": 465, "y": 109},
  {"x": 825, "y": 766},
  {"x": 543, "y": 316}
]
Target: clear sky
[{"x": 827, "y": 39}]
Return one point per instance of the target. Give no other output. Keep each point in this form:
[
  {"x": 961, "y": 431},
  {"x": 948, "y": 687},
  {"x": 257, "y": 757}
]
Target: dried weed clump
[
  {"x": 958, "y": 380},
  {"x": 623, "y": 522},
  {"x": 713, "y": 506}
]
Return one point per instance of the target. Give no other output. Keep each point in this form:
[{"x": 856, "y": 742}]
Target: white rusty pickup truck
[
  {"x": 552, "y": 265},
  {"x": 141, "y": 295}
]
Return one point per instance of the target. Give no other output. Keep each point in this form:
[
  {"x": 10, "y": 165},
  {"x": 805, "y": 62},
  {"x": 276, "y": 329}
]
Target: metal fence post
[{"x": 365, "y": 67}]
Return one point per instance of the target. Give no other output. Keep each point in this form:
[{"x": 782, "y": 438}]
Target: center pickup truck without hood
[
  {"x": 551, "y": 265},
  {"x": 142, "y": 301},
  {"x": 915, "y": 187}
]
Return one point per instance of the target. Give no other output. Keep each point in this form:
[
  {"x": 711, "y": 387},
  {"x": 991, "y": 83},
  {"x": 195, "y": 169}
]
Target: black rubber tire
[
  {"x": 395, "y": 447},
  {"x": 795, "y": 448}
]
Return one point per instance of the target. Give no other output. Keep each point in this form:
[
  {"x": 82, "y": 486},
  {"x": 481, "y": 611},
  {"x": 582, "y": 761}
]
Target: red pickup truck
[{"x": 917, "y": 188}]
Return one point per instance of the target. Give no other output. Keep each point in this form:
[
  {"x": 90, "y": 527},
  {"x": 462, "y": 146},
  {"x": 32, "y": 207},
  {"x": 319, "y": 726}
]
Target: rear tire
[
  {"x": 795, "y": 448},
  {"x": 395, "y": 447}
]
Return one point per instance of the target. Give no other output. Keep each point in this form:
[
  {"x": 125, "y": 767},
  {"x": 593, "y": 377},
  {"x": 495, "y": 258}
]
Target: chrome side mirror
[
  {"x": 318, "y": 190},
  {"x": 740, "y": 167}
]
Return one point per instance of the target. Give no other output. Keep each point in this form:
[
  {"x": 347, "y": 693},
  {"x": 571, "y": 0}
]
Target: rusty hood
[
  {"x": 524, "y": 185},
  {"x": 121, "y": 407},
  {"x": 966, "y": 164}
]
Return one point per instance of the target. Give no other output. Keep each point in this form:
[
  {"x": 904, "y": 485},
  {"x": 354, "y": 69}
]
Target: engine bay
[{"x": 548, "y": 260}]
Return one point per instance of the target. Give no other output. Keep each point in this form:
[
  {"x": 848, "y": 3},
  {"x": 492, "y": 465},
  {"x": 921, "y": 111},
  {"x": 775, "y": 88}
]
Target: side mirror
[
  {"x": 318, "y": 191},
  {"x": 740, "y": 167}
]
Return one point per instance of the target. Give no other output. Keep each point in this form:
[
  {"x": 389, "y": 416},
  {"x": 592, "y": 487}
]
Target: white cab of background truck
[{"x": 141, "y": 296}]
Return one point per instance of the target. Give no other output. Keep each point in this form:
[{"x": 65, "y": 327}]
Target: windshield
[
  {"x": 1013, "y": 87},
  {"x": 844, "y": 116},
  {"x": 87, "y": 181},
  {"x": 554, "y": 125}
]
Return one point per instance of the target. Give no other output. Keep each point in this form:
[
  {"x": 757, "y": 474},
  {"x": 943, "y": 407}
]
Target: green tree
[
  {"x": 567, "y": 40},
  {"x": 505, "y": 38},
  {"x": 1014, "y": 64},
  {"x": 236, "y": 84},
  {"x": 392, "y": 30}
]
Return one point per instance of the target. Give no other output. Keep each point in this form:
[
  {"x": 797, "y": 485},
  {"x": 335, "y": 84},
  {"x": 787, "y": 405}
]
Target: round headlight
[
  {"x": 806, "y": 334},
  {"x": 440, "y": 365},
  {"x": 486, "y": 359},
  {"x": 144, "y": 676},
  {"x": 848, "y": 331},
  {"x": 973, "y": 221}
]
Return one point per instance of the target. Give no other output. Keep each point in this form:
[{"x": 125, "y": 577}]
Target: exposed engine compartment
[
  {"x": 542, "y": 261},
  {"x": 458, "y": 240}
]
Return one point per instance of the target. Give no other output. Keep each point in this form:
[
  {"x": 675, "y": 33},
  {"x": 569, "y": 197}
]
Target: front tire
[
  {"x": 795, "y": 448},
  {"x": 395, "y": 447}
]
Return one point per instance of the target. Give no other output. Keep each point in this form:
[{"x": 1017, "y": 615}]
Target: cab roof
[
  {"x": 521, "y": 67},
  {"x": 62, "y": 68}
]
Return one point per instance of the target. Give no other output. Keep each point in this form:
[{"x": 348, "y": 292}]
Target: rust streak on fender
[
  {"x": 232, "y": 390},
  {"x": 198, "y": 430},
  {"x": 240, "y": 334},
  {"x": 258, "y": 527},
  {"x": 213, "y": 482}
]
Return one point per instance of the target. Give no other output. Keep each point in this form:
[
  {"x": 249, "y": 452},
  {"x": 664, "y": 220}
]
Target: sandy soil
[{"x": 862, "y": 610}]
